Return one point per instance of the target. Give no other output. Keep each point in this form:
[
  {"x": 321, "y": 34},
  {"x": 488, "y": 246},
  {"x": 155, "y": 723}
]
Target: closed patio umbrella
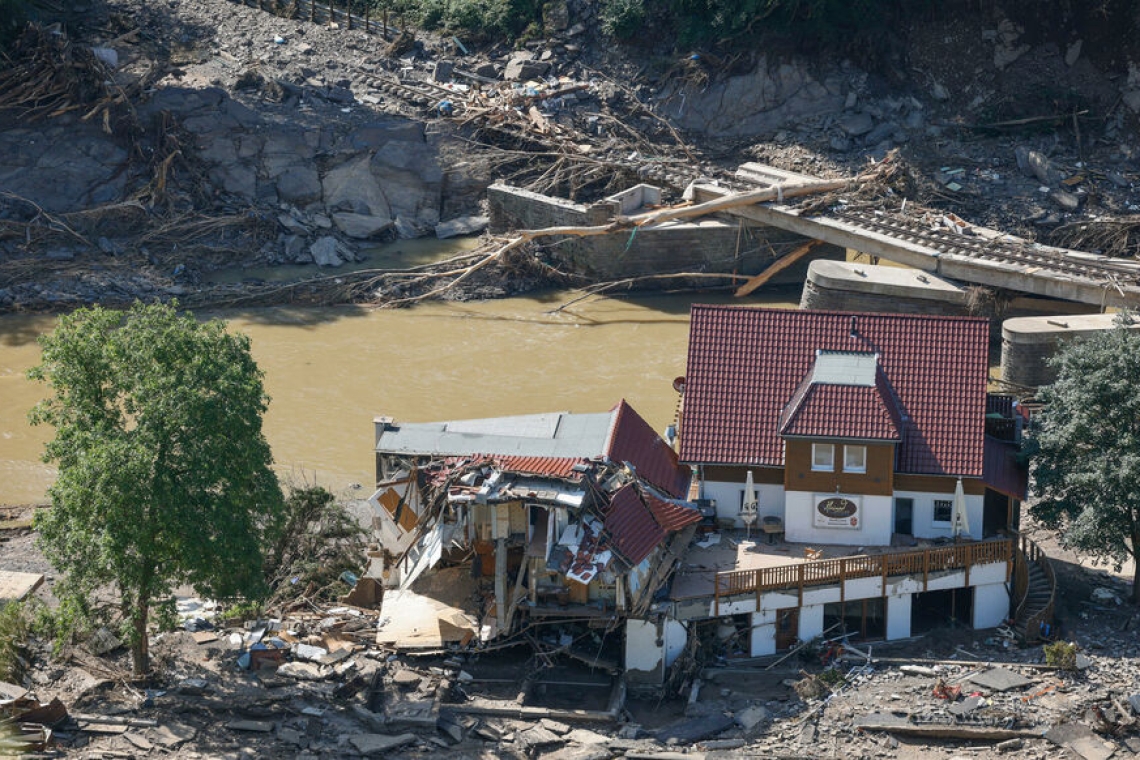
[{"x": 960, "y": 520}]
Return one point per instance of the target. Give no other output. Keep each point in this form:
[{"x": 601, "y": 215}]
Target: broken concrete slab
[
  {"x": 752, "y": 716},
  {"x": 966, "y": 706},
  {"x": 15, "y": 586},
  {"x": 899, "y": 723},
  {"x": 378, "y": 744},
  {"x": 172, "y": 735},
  {"x": 1080, "y": 739},
  {"x": 538, "y": 738},
  {"x": 1000, "y": 679},
  {"x": 696, "y": 729},
  {"x": 413, "y": 712},
  {"x": 587, "y": 752},
  {"x": 138, "y": 741}
]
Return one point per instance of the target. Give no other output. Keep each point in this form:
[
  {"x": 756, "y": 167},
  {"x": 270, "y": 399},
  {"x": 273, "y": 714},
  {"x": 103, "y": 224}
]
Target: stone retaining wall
[{"x": 708, "y": 245}]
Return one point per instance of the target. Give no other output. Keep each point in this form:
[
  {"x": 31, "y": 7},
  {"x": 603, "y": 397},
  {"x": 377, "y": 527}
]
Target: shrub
[
  {"x": 1061, "y": 654},
  {"x": 622, "y": 18},
  {"x": 13, "y": 637}
]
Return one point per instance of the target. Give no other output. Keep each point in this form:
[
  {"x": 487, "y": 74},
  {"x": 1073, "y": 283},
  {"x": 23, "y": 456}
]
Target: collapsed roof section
[
  {"x": 549, "y": 530},
  {"x": 538, "y": 444}
]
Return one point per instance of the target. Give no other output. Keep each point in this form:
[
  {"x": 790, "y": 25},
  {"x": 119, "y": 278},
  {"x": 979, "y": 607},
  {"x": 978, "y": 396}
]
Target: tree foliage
[
  {"x": 164, "y": 473},
  {"x": 1085, "y": 448},
  {"x": 318, "y": 542}
]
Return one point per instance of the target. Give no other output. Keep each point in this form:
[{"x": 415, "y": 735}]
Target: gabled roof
[
  {"x": 822, "y": 409},
  {"x": 655, "y": 461},
  {"x": 637, "y": 520},
  {"x": 746, "y": 364},
  {"x": 545, "y": 444}
]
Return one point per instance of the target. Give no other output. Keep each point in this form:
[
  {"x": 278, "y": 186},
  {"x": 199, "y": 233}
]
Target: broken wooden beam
[{"x": 775, "y": 268}]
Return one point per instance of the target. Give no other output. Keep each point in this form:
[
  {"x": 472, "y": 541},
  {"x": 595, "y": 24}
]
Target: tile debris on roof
[{"x": 745, "y": 364}]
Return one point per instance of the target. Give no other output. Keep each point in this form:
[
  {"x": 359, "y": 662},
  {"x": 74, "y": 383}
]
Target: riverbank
[{"x": 214, "y": 135}]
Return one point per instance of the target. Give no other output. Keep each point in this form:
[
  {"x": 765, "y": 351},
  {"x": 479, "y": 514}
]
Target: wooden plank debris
[{"x": 775, "y": 268}]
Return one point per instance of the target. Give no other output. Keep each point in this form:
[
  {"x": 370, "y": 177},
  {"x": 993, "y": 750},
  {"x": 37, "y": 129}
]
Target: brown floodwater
[{"x": 330, "y": 371}]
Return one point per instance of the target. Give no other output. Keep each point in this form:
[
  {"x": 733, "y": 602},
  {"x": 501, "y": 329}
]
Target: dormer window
[
  {"x": 854, "y": 458},
  {"x": 823, "y": 457}
]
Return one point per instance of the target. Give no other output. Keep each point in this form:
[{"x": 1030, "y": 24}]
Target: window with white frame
[
  {"x": 854, "y": 458},
  {"x": 823, "y": 457},
  {"x": 943, "y": 511}
]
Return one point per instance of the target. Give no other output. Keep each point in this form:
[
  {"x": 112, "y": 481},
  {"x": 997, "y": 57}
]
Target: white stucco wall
[
  {"x": 898, "y": 617},
  {"x": 924, "y": 525},
  {"x": 763, "y": 633},
  {"x": 727, "y": 496},
  {"x": 991, "y": 605},
  {"x": 811, "y": 621},
  {"x": 876, "y": 514},
  {"x": 646, "y": 655}
]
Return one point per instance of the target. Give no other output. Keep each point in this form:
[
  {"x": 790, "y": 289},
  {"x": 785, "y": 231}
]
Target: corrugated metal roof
[
  {"x": 559, "y": 435},
  {"x": 744, "y": 366}
]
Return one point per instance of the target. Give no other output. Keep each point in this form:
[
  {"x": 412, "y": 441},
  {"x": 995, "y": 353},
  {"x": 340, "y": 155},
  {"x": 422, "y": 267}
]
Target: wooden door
[{"x": 787, "y": 628}]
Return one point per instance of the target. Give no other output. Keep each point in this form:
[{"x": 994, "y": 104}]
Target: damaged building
[
  {"x": 837, "y": 475},
  {"x": 491, "y": 527}
]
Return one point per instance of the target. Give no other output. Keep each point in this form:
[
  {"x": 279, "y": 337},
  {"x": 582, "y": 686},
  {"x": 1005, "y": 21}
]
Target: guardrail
[{"x": 824, "y": 572}]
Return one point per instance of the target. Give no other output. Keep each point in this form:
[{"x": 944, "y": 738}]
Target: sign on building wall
[{"x": 837, "y": 512}]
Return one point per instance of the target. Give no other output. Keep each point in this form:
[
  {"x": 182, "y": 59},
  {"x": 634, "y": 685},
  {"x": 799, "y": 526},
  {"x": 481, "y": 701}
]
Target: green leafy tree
[
  {"x": 164, "y": 473},
  {"x": 1085, "y": 449}
]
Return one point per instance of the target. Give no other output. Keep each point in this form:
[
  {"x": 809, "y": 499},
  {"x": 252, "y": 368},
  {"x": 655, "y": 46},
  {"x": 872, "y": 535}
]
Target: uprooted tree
[
  {"x": 164, "y": 473},
  {"x": 1085, "y": 448}
]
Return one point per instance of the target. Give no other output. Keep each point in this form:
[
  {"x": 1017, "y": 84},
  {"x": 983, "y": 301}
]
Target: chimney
[{"x": 854, "y": 332}]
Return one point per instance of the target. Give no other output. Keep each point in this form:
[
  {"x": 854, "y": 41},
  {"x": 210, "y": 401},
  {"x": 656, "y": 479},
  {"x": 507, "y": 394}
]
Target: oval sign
[{"x": 837, "y": 508}]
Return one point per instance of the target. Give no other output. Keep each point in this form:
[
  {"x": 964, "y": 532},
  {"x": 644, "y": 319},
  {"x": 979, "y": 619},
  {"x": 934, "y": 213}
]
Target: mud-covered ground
[
  {"x": 200, "y": 702},
  {"x": 994, "y": 122}
]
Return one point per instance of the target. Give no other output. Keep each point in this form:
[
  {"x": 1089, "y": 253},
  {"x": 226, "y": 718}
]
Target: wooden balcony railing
[{"x": 825, "y": 572}]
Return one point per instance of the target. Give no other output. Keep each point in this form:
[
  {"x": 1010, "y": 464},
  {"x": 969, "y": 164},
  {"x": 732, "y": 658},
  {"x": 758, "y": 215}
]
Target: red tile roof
[
  {"x": 632, "y": 440},
  {"x": 745, "y": 364},
  {"x": 553, "y": 467},
  {"x": 843, "y": 411},
  {"x": 670, "y": 515},
  {"x": 637, "y": 521},
  {"x": 633, "y": 531}
]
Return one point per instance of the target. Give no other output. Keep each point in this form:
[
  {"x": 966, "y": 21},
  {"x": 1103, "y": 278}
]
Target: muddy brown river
[{"x": 330, "y": 371}]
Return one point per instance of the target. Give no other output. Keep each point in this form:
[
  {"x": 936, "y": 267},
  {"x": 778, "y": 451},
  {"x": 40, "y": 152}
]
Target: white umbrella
[
  {"x": 960, "y": 520},
  {"x": 748, "y": 508}
]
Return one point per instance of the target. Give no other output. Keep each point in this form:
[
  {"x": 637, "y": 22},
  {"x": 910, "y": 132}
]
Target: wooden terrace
[{"x": 781, "y": 567}]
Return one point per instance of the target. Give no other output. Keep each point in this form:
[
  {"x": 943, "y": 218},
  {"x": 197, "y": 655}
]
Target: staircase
[{"x": 1036, "y": 585}]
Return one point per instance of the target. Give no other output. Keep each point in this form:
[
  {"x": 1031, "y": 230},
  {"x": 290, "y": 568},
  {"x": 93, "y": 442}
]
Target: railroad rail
[{"x": 1001, "y": 249}]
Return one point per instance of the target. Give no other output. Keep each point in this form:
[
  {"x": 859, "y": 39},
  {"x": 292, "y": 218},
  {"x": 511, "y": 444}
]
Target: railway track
[{"x": 914, "y": 230}]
